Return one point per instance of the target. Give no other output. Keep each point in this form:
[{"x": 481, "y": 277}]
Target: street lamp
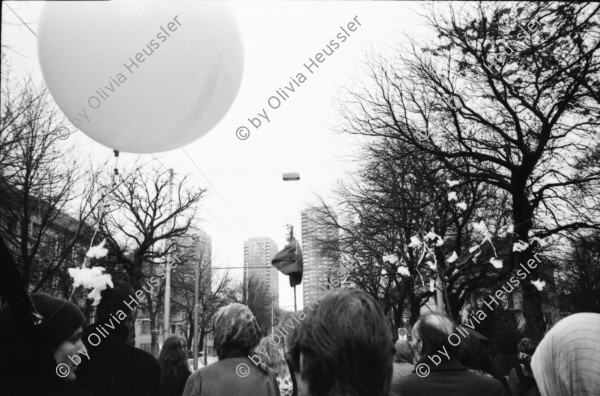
[{"x": 291, "y": 176}]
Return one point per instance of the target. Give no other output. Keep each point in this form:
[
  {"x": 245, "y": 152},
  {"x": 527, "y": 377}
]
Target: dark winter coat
[
  {"x": 173, "y": 385},
  {"x": 449, "y": 378},
  {"x": 521, "y": 384},
  {"x": 117, "y": 369},
  {"x": 233, "y": 374}
]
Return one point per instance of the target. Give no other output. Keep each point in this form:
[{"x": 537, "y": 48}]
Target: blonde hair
[{"x": 276, "y": 363}]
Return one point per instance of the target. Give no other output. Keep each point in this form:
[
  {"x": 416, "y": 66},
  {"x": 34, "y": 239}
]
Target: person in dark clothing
[
  {"x": 42, "y": 359},
  {"x": 174, "y": 370},
  {"x": 115, "y": 368},
  {"x": 474, "y": 356},
  {"x": 236, "y": 334},
  {"x": 438, "y": 370},
  {"x": 342, "y": 346},
  {"x": 520, "y": 379}
]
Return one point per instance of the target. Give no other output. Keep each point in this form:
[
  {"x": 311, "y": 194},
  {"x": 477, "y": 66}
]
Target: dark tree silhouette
[{"x": 505, "y": 95}]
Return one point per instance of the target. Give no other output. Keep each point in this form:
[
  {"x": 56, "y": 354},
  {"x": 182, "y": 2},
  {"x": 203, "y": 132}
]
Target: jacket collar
[
  {"x": 452, "y": 364},
  {"x": 228, "y": 352}
]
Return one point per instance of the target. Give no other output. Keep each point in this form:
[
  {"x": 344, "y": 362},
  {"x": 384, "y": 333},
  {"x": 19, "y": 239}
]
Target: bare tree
[
  {"x": 398, "y": 195},
  {"x": 523, "y": 122},
  {"x": 256, "y": 295},
  {"x": 578, "y": 281},
  {"x": 212, "y": 288},
  {"x": 148, "y": 211},
  {"x": 46, "y": 192}
]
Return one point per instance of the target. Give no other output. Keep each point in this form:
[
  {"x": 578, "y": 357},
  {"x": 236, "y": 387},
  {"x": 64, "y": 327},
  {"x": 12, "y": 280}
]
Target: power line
[
  {"x": 202, "y": 206},
  {"x": 217, "y": 191}
]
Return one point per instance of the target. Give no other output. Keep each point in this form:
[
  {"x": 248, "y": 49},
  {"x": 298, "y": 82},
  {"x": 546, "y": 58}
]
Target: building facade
[
  {"x": 321, "y": 270},
  {"x": 258, "y": 253}
]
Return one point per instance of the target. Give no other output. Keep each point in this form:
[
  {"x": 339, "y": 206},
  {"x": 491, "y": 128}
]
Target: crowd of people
[{"x": 341, "y": 345}]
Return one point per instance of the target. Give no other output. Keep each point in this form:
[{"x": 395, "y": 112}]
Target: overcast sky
[{"x": 247, "y": 197}]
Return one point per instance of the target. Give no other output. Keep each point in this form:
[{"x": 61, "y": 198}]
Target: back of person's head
[
  {"x": 173, "y": 357},
  {"x": 474, "y": 354},
  {"x": 344, "y": 346},
  {"x": 235, "y": 330},
  {"x": 526, "y": 348},
  {"x": 430, "y": 334},
  {"x": 404, "y": 353},
  {"x": 269, "y": 351},
  {"x": 567, "y": 360},
  {"x": 115, "y": 299}
]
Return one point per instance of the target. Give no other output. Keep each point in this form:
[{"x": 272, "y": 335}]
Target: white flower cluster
[
  {"x": 94, "y": 277},
  {"x": 91, "y": 278}
]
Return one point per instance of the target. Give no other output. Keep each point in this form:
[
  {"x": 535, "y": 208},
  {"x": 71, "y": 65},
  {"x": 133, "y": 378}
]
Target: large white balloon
[{"x": 141, "y": 77}]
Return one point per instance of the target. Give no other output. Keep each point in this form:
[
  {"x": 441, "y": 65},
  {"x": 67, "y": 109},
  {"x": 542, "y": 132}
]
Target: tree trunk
[
  {"x": 191, "y": 333},
  {"x": 415, "y": 309},
  {"x": 532, "y": 299},
  {"x": 153, "y": 337},
  {"x": 201, "y": 339},
  {"x": 532, "y": 311}
]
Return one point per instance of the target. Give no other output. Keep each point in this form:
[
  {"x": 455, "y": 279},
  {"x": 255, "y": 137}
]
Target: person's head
[
  {"x": 343, "y": 347},
  {"x": 474, "y": 354},
  {"x": 54, "y": 344},
  {"x": 235, "y": 328},
  {"x": 271, "y": 354},
  {"x": 526, "y": 348},
  {"x": 430, "y": 334},
  {"x": 173, "y": 357},
  {"x": 404, "y": 353},
  {"x": 121, "y": 297},
  {"x": 566, "y": 362}
]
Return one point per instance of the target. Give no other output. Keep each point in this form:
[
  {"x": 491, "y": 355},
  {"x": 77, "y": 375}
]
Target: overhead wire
[
  {"x": 218, "y": 193},
  {"x": 202, "y": 206}
]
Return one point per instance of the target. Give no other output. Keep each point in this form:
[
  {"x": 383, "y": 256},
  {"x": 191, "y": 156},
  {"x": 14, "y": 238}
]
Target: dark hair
[
  {"x": 172, "y": 357},
  {"x": 115, "y": 299},
  {"x": 526, "y": 345},
  {"x": 346, "y": 346},
  {"x": 434, "y": 330},
  {"x": 474, "y": 355}
]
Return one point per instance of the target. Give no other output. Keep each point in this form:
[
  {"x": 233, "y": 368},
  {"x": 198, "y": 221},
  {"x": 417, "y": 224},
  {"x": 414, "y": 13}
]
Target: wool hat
[{"x": 60, "y": 318}]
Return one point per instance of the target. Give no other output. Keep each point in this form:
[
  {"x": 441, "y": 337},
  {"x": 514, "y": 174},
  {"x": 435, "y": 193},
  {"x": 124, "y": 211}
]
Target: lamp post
[
  {"x": 196, "y": 287},
  {"x": 167, "y": 314},
  {"x": 292, "y": 176}
]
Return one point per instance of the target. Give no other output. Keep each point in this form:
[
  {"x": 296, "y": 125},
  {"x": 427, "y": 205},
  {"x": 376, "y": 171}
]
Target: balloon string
[{"x": 116, "y": 172}]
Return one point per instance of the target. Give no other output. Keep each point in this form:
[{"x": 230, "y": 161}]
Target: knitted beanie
[{"x": 60, "y": 319}]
